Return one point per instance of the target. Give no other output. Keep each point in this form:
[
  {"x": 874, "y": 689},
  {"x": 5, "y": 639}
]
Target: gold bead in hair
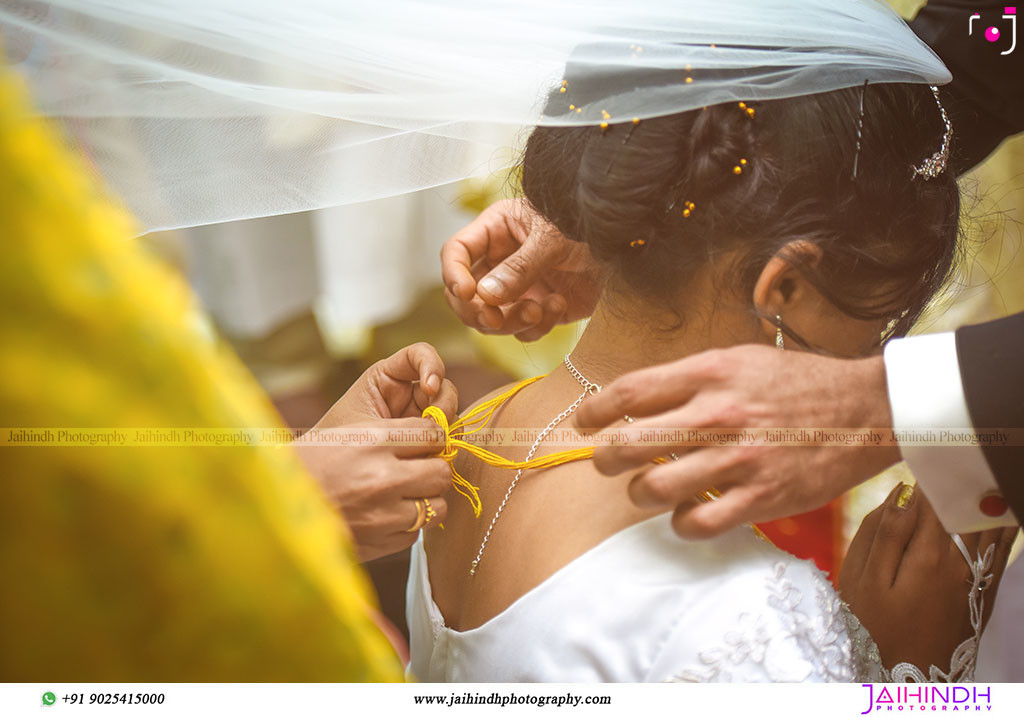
[
  {"x": 689, "y": 80},
  {"x": 738, "y": 169},
  {"x": 637, "y": 242},
  {"x": 636, "y": 120},
  {"x": 604, "y": 126},
  {"x": 604, "y": 113},
  {"x": 688, "y": 208},
  {"x": 562, "y": 88}
]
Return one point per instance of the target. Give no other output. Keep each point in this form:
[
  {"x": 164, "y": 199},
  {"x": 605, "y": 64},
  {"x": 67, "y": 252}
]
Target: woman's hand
[
  {"x": 376, "y": 486},
  {"x": 510, "y": 272},
  {"x": 908, "y": 583},
  {"x": 400, "y": 386}
]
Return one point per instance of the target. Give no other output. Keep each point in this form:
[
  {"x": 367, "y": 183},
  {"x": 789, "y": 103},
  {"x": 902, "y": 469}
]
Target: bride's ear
[{"x": 783, "y": 290}]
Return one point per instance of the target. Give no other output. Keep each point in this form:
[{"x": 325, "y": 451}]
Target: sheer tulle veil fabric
[{"x": 200, "y": 111}]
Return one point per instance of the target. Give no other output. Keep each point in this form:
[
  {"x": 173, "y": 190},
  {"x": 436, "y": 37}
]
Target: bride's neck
[{"x": 622, "y": 339}]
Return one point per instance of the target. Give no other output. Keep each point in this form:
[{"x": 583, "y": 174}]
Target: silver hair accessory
[
  {"x": 936, "y": 164},
  {"x": 860, "y": 128}
]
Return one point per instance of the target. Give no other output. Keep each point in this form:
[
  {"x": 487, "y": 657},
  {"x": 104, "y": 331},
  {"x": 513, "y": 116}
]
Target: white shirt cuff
[{"x": 927, "y": 398}]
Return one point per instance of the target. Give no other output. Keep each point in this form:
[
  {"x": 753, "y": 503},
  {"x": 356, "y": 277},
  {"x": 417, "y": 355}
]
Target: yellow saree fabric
[{"x": 145, "y": 563}]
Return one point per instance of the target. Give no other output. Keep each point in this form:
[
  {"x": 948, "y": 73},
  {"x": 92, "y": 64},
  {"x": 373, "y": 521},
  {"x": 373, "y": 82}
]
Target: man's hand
[
  {"x": 376, "y": 486},
  {"x": 752, "y": 387},
  {"x": 907, "y": 582},
  {"x": 510, "y": 272}
]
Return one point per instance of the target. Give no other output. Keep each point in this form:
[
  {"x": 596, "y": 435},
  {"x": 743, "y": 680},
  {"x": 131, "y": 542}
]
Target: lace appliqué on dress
[
  {"x": 748, "y": 642},
  {"x": 867, "y": 663},
  {"x": 829, "y": 649}
]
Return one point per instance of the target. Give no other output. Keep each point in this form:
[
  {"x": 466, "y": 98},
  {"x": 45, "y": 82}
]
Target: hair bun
[
  {"x": 719, "y": 163},
  {"x": 635, "y": 192},
  {"x": 658, "y": 199}
]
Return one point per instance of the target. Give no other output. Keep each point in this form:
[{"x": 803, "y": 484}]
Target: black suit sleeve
[
  {"x": 991, "y": 358},
  {"x": 985, "y": 100}
]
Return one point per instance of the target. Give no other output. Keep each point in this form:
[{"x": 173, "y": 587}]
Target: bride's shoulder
[
  {"x": 781, "y": 577},
  {"x": 760, "y": 579},
  {"x": 507, "y": 401},
  {"x": 500, "y": 410},
  {"x": 490, "y": 396},
  {"x": 739, "y": 564},
  {"x": 765, "y": 615}
]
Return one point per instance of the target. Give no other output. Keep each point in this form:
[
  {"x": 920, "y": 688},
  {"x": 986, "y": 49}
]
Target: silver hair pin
[
  {"x": 860, "y": 128},
  {"x": 936, "y": 164}
]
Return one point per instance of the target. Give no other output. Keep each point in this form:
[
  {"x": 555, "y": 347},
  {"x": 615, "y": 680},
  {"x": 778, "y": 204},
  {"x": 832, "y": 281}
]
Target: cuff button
[{"x": 993, "y": 505}]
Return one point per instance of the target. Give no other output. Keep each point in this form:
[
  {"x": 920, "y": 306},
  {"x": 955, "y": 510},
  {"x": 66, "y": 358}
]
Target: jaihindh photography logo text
[{"x": 928, "y": 698}]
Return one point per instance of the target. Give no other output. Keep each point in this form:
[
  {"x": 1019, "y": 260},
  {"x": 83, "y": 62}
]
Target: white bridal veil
[{"x": 200, "y": 111}]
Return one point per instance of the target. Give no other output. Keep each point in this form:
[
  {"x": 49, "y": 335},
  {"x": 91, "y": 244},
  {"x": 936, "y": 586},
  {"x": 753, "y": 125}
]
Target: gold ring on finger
[{"x": 421, "y": 516}]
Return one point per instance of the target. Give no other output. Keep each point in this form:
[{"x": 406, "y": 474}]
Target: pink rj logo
[{"x": 993, "y": 34}]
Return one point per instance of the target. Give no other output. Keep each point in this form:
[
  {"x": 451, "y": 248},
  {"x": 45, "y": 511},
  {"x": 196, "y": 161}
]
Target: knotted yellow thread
[{"x": 477, "y": 419}]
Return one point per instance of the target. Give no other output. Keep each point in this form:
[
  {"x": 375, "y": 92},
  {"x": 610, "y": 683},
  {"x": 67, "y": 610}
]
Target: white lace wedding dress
[{"x": 646, "y": 606}]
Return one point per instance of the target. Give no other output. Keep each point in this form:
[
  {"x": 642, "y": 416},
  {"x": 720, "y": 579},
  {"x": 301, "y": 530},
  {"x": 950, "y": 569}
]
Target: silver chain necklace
[{"x": 588, "y": 388}]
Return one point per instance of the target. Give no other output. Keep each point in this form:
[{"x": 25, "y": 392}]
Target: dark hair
[{"x": 888, "y": 240}]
